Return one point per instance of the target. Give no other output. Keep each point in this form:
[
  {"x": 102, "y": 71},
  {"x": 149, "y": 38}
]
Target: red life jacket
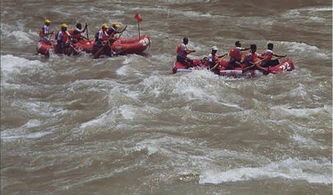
[
  {"x": 235, "y": 53},
  {"x": 268, "y": 54},
  {"x": 251, "y": 58},
  {"x": 43, "y": 31},
  {"x": 104, "y": 35},
  {"x": 71, "y": 32},
  {"x": 215, "y": 58},
  {"x": 75, "y": 34},
  {"x": 63, "y": 36},
  {"x": 180, "y": 51}
]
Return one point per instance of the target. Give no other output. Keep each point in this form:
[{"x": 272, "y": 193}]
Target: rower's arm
[
  {"x": 260, "y": 67},
  {"x": 85, "y": 28},
  {"x": 279, "y": 56},
  {"x": 215, "y": 66},
  {"x": 221, "y": 56},
  {"x": 260, "y": 57}
]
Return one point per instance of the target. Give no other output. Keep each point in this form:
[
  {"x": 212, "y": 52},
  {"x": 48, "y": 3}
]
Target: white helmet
[{"x": 214, "y": 48}]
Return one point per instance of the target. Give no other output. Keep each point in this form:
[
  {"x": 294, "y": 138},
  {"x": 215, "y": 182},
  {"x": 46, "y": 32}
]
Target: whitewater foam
[
  {"x": 304, "y": 49},
  {"x": 14, "y": 65},
  {"x": 122, "y": 71},
  {"x": 318, "y": 9},
  {"x": 312, "y": 171},
  {"x": 128, "y": 112},
  {"x": 99, "y": 120},
  {"x": 17, "y": 34},
  {"x": 34, "y": 135},
  {"x": 302, "y": 112}
]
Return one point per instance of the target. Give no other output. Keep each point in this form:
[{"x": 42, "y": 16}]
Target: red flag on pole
[{"x": 138, "y": 17}]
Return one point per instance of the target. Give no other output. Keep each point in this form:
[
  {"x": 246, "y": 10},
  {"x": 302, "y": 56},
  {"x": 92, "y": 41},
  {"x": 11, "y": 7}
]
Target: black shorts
[
  {"x": 271, "y": 63},
  {"x": 181, "y": 59}
]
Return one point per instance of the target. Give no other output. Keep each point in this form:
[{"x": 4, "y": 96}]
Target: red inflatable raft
[
  {"x": 85, "y": 45},
  {"x": 120, "y": 46},
  {"x": 131, "y": 45},
  {"x": 44, "y": 47},
  {"x": 123, "y": 46},
  {"x": 283, "y": 66}
]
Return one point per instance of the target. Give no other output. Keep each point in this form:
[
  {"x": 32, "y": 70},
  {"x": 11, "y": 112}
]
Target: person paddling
[
  {"x": 236, "y": 55},
  {"x": 268, "y": 55},
  {"x": 76, "y": 33},
  {"x": 252, "y": 60},
  {"x": 101, "y": 36},
  {"x": 114, "y": 29},
  {"x": 213, "y": 59},
  {"x": 182, "y": 52},
  {"x": 44, "y": 32},
  {"x": 101, "y": 42},
  {"x": 63, "y": 39}
]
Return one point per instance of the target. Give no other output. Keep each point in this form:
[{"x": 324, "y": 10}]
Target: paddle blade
[{"x": 138, "y": 17}]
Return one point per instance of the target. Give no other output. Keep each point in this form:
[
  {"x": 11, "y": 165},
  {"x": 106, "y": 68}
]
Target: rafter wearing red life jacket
[
  {"x": 63, "y": 36},
  {"x": 250, "y": 58},
  {"x": 44, "y": 32},
  {"x": 267, "y": 56},
  {"x": 76, "y": 34},
  {"x": 102, "y": 34},
  {"x": 213, "y": 58},
  {"x": 235, "y": 54},
  {"x": 182, "y": 50}
]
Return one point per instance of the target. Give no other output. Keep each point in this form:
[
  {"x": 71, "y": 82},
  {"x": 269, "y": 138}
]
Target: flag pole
[
  {"x": 138, "y": 18},
  {"x": 139, "y": 29}
]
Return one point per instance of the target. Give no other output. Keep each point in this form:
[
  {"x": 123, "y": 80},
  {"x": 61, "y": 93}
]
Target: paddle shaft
[
  {"x": 87, "y": 32},
  {"x": 122, "y": 32}
]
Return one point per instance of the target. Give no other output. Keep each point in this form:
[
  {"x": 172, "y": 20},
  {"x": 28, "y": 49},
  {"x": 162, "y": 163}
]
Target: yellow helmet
[
  {"x": 116, "y": 25},
  {"x": 46, "y": 21},
  {"x": 64, "y": 26},
  {"x": 105, "y": 26}
]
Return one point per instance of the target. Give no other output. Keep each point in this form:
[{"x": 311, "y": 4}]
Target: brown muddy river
[{"x": 126, "y": 125}]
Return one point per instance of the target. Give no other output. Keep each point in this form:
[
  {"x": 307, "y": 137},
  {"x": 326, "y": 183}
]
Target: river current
[{"x": 127, "y": 125}]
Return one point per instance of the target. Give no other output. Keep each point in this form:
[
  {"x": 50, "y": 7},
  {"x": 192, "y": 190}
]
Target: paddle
[
  {"x": 107, "y": 43},
  {"x": 75, "y": 50},
  {"x": 87, "y": 31},
  {"x": 279, "y": 57},
  {"x": 221, "y": 56},
  {"x": 256, "y": 66},
  {"x": 121, "y": 32},
  {"x": 97, "y": 54},
  {"x": 218, "y": 63},
  {"x": 117, "y": 30}
]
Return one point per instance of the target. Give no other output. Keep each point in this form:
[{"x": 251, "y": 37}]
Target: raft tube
[
  {"x": 131, "y": 45},
  {"x": 199, "y": 64}
]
